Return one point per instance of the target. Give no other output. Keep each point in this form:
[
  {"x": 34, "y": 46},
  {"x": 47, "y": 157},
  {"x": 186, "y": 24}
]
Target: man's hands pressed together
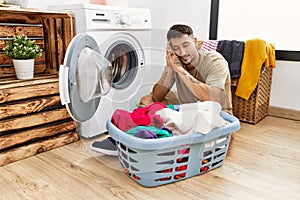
[{"x": 173, "y": 60}]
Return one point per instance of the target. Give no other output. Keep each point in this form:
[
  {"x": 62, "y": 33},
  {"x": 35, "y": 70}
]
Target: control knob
[{"x": 122, "y": 19}]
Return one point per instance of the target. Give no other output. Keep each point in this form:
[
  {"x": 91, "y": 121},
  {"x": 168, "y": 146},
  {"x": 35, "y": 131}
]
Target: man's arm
[
  {"x": 159, "y": 92},
  {"x": 201, "y": 90}
]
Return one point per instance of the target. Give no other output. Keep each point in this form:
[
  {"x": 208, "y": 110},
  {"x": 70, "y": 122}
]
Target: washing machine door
[{"x": 84, "y": 77}]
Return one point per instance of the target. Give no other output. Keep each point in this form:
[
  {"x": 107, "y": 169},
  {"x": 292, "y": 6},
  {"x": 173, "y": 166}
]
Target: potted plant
[{"x": 22, "y": 51}]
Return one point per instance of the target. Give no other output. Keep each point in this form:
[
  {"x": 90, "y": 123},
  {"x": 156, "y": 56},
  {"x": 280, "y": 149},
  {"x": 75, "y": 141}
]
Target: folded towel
[{"x": 255, "y": 55}]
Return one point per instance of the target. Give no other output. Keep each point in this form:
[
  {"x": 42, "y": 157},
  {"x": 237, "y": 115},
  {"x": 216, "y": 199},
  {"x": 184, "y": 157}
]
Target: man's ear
[{"x": 196, "y": 41}]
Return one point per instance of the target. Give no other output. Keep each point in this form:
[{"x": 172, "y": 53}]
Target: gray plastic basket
[{"x": 153, "y": 162}]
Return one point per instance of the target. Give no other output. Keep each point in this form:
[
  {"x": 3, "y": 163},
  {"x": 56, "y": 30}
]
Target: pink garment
[
  {"x": 209, "y": 45},
  {"x": 146, "y": 116},
  {"x": 122, "y": 120}
]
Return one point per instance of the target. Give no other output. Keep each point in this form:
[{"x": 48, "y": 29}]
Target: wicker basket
[{"x": 257, "y": 106}]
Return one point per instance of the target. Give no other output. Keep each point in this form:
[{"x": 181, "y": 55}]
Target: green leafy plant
[{"x": 22, "y": 48}]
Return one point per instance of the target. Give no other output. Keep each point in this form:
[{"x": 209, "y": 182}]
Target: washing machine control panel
[
  {"x": 132, "y": 18},
  {"x": 90, "y": 17}
]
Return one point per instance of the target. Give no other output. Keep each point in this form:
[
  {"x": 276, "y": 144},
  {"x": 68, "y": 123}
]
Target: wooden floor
[{"x": 263, "y": 163}]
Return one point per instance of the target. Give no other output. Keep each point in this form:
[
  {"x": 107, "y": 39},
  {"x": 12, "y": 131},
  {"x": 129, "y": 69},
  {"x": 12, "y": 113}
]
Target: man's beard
[{"x": 185, "y": 61}]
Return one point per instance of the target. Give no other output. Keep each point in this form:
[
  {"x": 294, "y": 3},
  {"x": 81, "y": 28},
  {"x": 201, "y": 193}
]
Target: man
[{"x": 199, "y": 76}]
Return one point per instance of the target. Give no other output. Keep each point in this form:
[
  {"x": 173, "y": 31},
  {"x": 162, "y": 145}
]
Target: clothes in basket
[{"x": 154, "y": 162}]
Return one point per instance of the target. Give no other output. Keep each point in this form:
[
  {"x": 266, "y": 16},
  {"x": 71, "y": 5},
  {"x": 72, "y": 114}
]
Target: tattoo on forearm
[{"x": 192, "y": 79}]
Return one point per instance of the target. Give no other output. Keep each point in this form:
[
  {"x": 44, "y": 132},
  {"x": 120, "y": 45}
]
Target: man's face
[{"x": 185, "y": 48}]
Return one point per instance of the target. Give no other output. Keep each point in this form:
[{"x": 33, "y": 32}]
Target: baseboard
[{"x": 284, "y": 113}]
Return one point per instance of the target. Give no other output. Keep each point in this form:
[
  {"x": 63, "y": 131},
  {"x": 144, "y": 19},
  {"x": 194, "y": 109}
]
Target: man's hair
[{"x": 178, "y": 30}]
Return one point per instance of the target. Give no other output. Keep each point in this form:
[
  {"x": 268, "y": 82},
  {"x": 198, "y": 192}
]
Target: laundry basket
[{"x": 154, "y": 162}]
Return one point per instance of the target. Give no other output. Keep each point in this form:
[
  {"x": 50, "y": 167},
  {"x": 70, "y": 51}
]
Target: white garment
[{"x": 193, "y": 117}]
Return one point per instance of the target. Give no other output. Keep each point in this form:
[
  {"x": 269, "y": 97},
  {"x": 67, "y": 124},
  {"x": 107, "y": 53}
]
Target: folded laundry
[{"x": 193, "y": 117}]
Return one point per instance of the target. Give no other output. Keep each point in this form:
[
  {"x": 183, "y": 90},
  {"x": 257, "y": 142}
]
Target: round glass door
[{"x": 124, "y": 60}]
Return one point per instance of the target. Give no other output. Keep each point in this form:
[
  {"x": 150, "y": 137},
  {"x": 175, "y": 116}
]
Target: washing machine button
[{"x": 122, "y": 19}]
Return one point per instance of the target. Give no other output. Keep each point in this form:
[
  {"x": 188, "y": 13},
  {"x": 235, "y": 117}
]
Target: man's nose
[{"x": 181, "y": 51}]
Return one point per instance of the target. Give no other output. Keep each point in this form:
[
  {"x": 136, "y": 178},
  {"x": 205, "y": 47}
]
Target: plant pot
[{"x": 24, "y": 68}]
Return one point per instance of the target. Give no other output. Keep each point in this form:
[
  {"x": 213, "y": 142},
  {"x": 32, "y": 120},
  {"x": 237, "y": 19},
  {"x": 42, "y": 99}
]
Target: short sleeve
[{"x": 217, "y": 73}]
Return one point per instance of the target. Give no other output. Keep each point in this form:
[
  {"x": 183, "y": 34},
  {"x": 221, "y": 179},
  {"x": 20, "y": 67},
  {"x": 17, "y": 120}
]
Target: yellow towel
[
  {"x": 255, "y": 55},
  {"x": 271, "y": 60}
]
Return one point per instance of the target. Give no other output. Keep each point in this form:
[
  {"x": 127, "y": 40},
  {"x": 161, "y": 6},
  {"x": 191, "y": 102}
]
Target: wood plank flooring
[{"x": 263, "y": 163}]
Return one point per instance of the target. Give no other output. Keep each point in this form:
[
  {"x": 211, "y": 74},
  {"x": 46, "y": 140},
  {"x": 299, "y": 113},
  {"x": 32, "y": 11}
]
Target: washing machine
[{"x": 119, "y": 39}]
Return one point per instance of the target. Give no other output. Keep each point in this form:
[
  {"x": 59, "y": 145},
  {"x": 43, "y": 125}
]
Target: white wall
[
  {"x": 168, "y": 12},
  {"x": 274, "y": 21},
  {"x": 285, "y": 89},
  {"x": 43, "y": 4}
]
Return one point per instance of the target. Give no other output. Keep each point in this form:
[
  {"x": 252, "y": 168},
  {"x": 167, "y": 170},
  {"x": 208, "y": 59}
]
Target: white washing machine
[{"x": 123, "y": 37}]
